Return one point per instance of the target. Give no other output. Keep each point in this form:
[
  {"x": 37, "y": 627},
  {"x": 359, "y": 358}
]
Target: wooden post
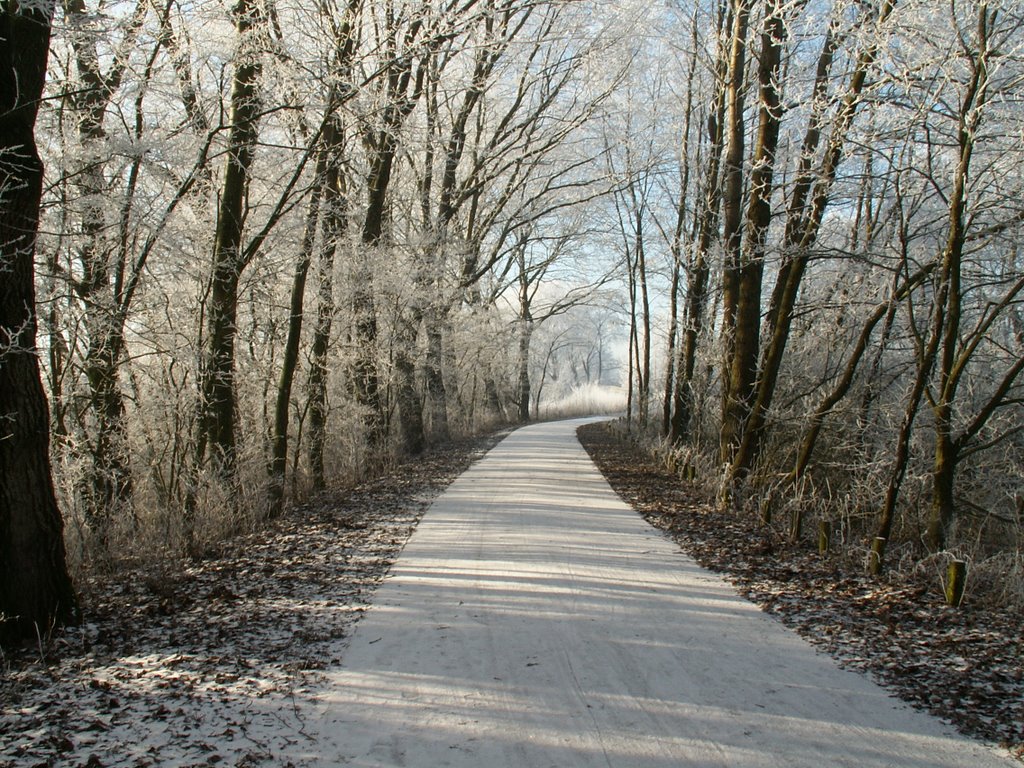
[
  {"x": 796, "y": 523},
  {"x": 876, "y": 556},
  {"x": 824, "y": 536},
  {"x": 956, "y": 579}
]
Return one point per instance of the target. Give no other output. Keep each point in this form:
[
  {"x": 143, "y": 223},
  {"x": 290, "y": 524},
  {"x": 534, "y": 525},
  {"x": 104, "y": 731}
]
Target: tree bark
[
  {"x": 282, "y": 403},
  {"x": 672, "y": 358},
  {"x": 803, "y": 223},
  {"x": 523, "y": 362},
  {"x": 951, "y": 361},
  {"x": 644, "y": 348},
  {"x": 219, "y": 404},
  {"x": 742, "y": 377},
  {"x": 108, "y": 483},
  {"x": 35, "y": 590},
  {"x": 410, "y": 406},
  {"x": 698, "y": 270},
  {"x": 335, "y": 224},
  {"x": 437, "y": 393},
  {"x": 733, "y": 390}
]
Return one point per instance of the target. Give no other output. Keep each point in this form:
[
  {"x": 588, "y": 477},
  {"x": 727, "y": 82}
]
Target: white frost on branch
[{"x": 45, "y": 7}]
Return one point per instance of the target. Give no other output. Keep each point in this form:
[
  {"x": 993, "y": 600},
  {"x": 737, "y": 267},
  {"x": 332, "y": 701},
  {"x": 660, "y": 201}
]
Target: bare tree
[{"x": 217, "y": 389}]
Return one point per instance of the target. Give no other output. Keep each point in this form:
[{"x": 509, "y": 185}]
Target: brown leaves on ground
[{"x": 965, "y": 665}]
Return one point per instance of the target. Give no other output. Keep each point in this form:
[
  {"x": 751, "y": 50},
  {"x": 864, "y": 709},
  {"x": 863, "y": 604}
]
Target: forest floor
[
  {"x": 210, "y": 662},
  {"x": 964, "y": 665}
]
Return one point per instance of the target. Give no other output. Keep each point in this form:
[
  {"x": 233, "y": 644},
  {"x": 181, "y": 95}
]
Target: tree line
[{"x": 845, "y": 288}]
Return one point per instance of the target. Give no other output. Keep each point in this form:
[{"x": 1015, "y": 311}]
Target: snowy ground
[{"x": 532, "y": 620}]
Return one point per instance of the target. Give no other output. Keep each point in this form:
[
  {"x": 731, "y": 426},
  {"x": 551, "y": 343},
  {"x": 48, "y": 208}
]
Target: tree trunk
[
  {"x": 525, "y": 337},
  {"x": 437, "y": 394},
  {"x": 525, "y": 332},
  {"x": 335, "y": 222},
  {"x": 35, "y": 589},
  {"x": 733, "y": 389},
  {"x": 952, "y": 363},
  {"x": 219, "y": 406},
  {"x": 644, "y": 393},
  {"x": 107, "y": 485},
  {"x": 943, "y": 482},
  {"x": 279, "y": 439},
  {"x": 672, "y": 359},
  {"x": 410, "y": 404},
  {"x": 365, "y": 377},
  {"x": 803, "y": 223},
  {"x": 901, "y": 459},
  {"x": 698, "y": 271},
  {"x": 742, "y": 378}
]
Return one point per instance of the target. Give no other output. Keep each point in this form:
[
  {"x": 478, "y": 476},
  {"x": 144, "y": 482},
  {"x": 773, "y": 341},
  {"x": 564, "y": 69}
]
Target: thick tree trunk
[
  {"x": 733, "y": 389},
  {"x": 943, "y": 509},
  {"x": 108, "y": 489},
  {"x": 35, "y": 589},
  {"x": 219, "y": 405},
  {"x": 410, "y": 404},
  {"x": 804, "y": 218},
  {"x": 523, "y": 387},
  {"x": 742, "y": 377}
]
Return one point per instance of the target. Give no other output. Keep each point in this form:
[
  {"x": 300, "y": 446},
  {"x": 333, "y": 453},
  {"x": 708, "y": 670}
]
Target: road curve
[{"x": 535, "y": 620}]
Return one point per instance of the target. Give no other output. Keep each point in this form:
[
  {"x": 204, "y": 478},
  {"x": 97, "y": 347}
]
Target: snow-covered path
[{"x": 535, "y": 620}]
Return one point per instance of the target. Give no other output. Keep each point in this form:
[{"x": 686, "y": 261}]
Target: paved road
[{"x": 535, "y": 620}]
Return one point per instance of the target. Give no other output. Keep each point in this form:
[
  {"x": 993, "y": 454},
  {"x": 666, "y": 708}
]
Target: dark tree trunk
[
  {"x": 35, "y": 589},
  {"x": 951, "y": 360},
  {"x": 335, "y": 223},
  {"x": 410, "y": 404},
  {"x": 732, "y": 215},
  {"x": 333, "y": 227},
  {"x": 698, "y": 270},
  {"x": 108, "y": 482},
  {"x": 644, "y": 394},
  {"x": 742, "y": 377},
  {"x": 525, "y": 335},
  {"x": 219, "y": 405},
  {"x": 279, "y": 439},
  {"x": 803, "y": 223},
  {"x": 672, "y": 358}
]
